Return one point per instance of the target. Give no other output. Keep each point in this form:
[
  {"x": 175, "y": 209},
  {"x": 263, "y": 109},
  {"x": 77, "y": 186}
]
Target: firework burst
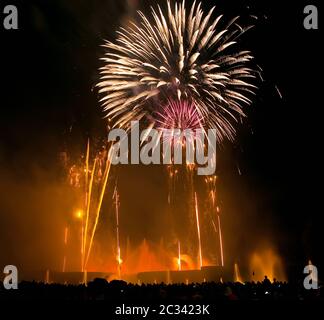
[
  {"x": 184, "y": 56},
  {"x": 179, "y": 114}
]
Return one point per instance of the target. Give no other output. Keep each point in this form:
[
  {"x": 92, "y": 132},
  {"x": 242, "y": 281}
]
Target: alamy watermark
[
  {"x": 311, "y": 280},
  {"x": 10, "y": 17},
  {"x": 311, "y": 17},
  {"x": 10, "y": 280},
  {"x": 164, "y": 146}
]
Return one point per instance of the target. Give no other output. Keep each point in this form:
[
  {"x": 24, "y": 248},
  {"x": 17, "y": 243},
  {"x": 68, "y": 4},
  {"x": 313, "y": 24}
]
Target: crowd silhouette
[{"x": 118, "y": 291}]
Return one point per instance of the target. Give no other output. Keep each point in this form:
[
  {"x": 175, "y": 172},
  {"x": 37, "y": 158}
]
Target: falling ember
[
  {"x": 198, "y": 232},
  {"x": 47, "y": 277},
  {"x": 64, "y": 264},
  {"x": 237, "y": 275},
  {"x": 119, "y": 260},
  {"x": 79, "y": 216},
  {"x": 179, "y": 256},
  {"x": 66, "y": 232},
  {"x": 220, "y": 237},
  {"x": 279, "y": 93},
  {"x": 87, "y": 167},
  {"x": 215, "y": 220},
  {"x": 82, "y": 241},
  {"x": 85, "y": 278}
]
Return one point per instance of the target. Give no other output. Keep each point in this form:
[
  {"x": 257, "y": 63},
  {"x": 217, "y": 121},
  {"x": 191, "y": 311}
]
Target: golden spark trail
[
  {"x": 66, "y": 232},
  {"x": 237, "y": 275},
  {"x": 64, "y": 264},
  {"x": 211, "y": 185},
  {"x": 82, "y": 241},
  {"x": 88, "y": 208},
  {"x": 116, "y": 195},
  {"x": 220, "y": 237},
  {"x": 106, "y": 175},
  {"x": 198, "y": 232},
  {"x": 47, "y": 277},
  {"x": 87, "y": 166},
  {"x": 86, "y": 204},
  {"x": 179, "y": 256}
]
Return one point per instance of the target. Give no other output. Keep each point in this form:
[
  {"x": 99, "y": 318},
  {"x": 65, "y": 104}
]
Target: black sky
[{"x": 49, "y": 104}]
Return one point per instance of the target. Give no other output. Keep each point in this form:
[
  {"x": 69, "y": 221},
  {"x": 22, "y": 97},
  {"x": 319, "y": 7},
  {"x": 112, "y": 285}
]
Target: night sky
[{"x": 49, "y": 104}]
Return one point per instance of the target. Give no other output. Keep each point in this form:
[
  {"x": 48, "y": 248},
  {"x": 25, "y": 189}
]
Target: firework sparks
[
  {"x": 279, "y": 92},
  {"x": 237, "y": 274},
  {"x": 66, "y": 234},
  {"x": 119, "y": 260},
  {"x": 179, "y": 256},
  {"x": 180, "y": 71},
  {"x": 211, "y": 183},
  {"x": 88, "y": 208},
  {"x": 183, "y": 116},
  {"x": 102, "y": 193},
  {"x": 179, "y": 114},
  {"x": 64, "y": 264},
  {"x": 47, "y": 277},
  {"x": 180, "y": 57},
  {"x": 90, "y": 182},
  {"x": 220, "y": 237},
  {"x": 198, "y": 232},
  {"x": 83, "y": 243}
]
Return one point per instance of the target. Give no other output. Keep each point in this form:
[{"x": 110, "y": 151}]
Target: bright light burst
[{"x": 184, "y": 56}]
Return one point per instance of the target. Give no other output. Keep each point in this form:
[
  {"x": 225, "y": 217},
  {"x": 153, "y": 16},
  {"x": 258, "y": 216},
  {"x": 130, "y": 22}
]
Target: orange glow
[
  {"x": 145, "y": 257},
  {"x": 116, "y": 254},
  {"x": 266, "y": 263},
  {"x": 237, "y": 275},
  {"x": 79, "y": 214}
]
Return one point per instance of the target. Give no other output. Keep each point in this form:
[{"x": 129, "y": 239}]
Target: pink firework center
[{"x": 179, "y": 114}]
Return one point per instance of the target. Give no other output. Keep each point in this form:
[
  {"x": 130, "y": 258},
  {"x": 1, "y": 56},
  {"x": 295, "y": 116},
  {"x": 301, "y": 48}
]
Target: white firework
[{"x": 183, "y": 56}]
